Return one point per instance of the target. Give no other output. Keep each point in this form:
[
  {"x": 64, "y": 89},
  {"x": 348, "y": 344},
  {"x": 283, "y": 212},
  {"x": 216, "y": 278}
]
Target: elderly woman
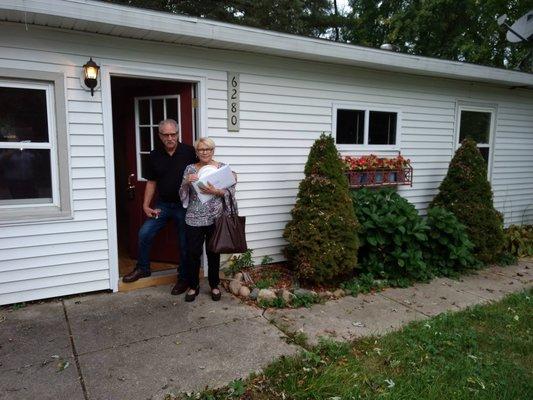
[{"x": 200, "y": 218}]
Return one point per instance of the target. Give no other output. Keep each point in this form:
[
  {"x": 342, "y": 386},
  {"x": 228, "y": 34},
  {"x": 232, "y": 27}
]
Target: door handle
[{"x": 131, "y": 187}]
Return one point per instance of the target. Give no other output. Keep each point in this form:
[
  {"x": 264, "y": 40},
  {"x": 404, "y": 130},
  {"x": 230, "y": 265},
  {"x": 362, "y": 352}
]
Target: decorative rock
[
  {"x": 339, "y": 293},
  {"x": 235, "y": 287},
  {"x": 303, "y": 292},
  {"x": 244, "y": 292},
  {"x": 238, "y": 276},
  {"x": 285, "y": 295},
  {"x": 325, "y": 295},
  {"x": 266, "y": 294},
  {"x": 254, "y": 294}
]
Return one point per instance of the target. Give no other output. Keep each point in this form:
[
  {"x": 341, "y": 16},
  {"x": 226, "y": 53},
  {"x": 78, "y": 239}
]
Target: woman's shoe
[
  {"x": 191, "y": 296},
  {"x": 216, "y": 295}
]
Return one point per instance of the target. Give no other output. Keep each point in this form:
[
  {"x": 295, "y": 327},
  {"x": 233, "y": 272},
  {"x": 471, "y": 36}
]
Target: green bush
[
  {"x": 322, "y": 235},
  {"x": 240, "y": 262},
  {"x": 392, "y": 236},
  {"x": 519, "y": 240},
  {"x": 466, "y": 192},
  {"x": 448, "y": 249}
]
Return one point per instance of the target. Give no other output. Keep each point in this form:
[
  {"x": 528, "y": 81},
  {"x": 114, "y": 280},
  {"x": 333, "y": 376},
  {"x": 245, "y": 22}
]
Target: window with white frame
[
  {"x": 366, "y": 126},
  {"x": 33, "y": 180},
  {"x": 476, "y": 122},
  {"x": 149, "y": 111}
]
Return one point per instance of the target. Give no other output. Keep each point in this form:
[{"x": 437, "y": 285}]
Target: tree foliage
[
  {"x": 466, "y": 192},
  {"x": 461, "y": 30},
  {"x": 303, "y": 17},
  {"x": 322, "y": 235}
]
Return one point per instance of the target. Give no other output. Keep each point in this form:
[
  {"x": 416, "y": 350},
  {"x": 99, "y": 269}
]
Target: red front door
[{"x": 142, "y": 104}]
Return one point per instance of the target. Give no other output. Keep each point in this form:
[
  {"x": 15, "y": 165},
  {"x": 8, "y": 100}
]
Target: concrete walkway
[{"x": 145, "y": 344}]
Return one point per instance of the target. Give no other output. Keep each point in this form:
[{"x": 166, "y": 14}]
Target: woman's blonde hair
[{"x": 205, "y": 140}]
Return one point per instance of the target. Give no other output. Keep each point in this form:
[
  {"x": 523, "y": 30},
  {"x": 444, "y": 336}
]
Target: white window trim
[
  {"x": 61, "y": 205},
  {"x": 138, "y": 151},
  {"x": 367, "y": 107},
  {"x": 49, "y": 145},
  {"x": 478, "y": 107}
]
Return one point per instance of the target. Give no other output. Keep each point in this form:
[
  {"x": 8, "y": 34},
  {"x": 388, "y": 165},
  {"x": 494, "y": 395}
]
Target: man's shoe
[
  {"x": 135, "y": 275},
  {"x": 179, "y": 288}
]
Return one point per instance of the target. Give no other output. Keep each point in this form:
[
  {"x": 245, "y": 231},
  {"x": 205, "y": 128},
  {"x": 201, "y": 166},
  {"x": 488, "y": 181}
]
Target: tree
[
  {"x": 322, "y": 235},
  {"x": 461, "y": 30},
  {"x": 466, "y": 192},
  {"x": 303, "y": 17}
]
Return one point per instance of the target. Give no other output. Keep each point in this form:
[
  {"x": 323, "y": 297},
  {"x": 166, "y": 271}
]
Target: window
[
  {"x": 364, "y": 126},
  {"x": 33, "y": 181},
  {"x": 149, "y": 111},
  {"x": 476, "y": 123}
]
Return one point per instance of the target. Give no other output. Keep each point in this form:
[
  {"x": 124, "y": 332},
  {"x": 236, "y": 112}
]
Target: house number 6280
[{"x": 234, "y": 94}]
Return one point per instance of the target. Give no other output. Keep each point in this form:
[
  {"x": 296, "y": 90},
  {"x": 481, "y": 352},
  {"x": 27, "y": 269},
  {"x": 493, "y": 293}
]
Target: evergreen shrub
[
  {"x": 448, "y": 250},
  {"x": 322, "y": 235},
  {"x": 466, "y": 192},
  {"x": 393, "y": 236}
]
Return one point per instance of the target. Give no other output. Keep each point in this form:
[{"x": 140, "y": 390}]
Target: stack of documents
[{"x": 221, "y": 178}]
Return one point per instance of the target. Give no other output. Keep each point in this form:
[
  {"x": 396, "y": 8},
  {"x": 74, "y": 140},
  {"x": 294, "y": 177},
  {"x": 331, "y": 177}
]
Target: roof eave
[{"x": 141, "y": 23}]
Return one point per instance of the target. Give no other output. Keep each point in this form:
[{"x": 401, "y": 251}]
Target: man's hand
[{"x": 150, "y": 212}]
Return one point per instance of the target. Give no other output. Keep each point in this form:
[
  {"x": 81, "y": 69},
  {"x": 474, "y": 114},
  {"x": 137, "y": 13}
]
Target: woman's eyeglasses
[{"x": 204, "y": 150}]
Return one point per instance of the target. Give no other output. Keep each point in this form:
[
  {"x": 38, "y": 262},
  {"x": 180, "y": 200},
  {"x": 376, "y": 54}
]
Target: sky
[{"x": 343, "y": 5}]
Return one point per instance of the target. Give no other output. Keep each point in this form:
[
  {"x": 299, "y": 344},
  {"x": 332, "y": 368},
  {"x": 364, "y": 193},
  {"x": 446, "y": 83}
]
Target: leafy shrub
[
  {"x": 322, "y": 235},
  {"x": 392, "y": 237},
  {"x": 519, "y": 240},
  {"x": 278, "y": 302},
  {"x": 304, "y": 300},
  {"x": 448, "y": 249},
  {"x": 240, "y": 262},
  {"x": 466, "y": 192},
  {"x": 364, "y": 283},
  {"x": 266, "y": 260}
]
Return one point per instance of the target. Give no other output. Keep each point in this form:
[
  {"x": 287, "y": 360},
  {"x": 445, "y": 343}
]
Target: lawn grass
[{"x": 485, "y": 352}]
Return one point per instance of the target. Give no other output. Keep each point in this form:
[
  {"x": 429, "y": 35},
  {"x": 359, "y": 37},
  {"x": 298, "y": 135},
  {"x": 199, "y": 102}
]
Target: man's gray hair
[{"x": 169, "y": 121}]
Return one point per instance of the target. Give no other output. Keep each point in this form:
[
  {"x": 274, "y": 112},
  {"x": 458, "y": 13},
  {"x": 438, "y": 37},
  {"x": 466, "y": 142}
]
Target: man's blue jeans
[{"x": 169, "y": 211}]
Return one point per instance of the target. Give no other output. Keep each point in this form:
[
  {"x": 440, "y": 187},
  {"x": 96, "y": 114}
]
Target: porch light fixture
[{"x": 90, "y": 75}]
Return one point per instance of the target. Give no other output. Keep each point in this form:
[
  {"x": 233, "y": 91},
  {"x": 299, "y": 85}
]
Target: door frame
[{"x": 183, "y": 74}]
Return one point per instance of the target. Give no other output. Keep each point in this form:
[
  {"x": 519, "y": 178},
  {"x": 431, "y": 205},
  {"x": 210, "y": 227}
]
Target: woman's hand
[
  {"x": 191, "y": 178},
  {"x": 210, "y": 189}
]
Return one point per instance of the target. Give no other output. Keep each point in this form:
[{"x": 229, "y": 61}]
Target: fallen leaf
[
  {"x": 390, "y": 383},
  {"x": 63, "y": 365}
]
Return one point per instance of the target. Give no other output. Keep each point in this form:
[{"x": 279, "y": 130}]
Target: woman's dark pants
[{"x": 196, "y": 236}]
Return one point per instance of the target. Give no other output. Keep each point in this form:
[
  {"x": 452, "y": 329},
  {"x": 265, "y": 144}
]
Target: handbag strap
[{"x": 232, "y": 208}]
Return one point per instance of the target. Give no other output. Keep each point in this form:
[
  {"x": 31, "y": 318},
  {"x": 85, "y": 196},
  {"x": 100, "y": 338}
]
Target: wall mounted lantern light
[{"x": 90, "y": 75}]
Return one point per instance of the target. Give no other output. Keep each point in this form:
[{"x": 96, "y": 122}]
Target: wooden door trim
[{"x": 199, "y": 78}]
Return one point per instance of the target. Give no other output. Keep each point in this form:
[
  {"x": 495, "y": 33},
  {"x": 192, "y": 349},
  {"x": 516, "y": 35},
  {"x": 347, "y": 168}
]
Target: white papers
[{"x": 221, "y": 178}]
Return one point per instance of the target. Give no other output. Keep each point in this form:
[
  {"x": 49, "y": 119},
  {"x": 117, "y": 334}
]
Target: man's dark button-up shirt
[{"x": 167, "y": 170}]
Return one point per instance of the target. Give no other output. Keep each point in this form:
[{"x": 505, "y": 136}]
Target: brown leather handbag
[{"x": 229, "y": 236}]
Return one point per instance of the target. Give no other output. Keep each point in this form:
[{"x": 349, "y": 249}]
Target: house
[{"x": 263, "y": 96}]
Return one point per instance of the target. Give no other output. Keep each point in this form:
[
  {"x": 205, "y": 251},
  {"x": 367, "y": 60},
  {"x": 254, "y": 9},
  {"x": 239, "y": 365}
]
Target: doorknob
[{"x": 131, "y": 186}]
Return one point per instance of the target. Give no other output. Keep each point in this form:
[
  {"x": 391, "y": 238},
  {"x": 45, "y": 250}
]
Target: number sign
[{"x": 234, "y": 94}]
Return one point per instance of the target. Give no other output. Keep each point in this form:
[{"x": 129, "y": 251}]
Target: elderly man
[{"x": 165, "y": 172}]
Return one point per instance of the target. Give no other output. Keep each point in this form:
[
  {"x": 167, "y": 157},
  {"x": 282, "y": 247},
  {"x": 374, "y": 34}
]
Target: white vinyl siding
[{"x": 284, "y": 106}]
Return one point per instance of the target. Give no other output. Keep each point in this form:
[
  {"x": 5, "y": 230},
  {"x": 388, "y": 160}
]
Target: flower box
[{"x": 371, "y": 171}]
